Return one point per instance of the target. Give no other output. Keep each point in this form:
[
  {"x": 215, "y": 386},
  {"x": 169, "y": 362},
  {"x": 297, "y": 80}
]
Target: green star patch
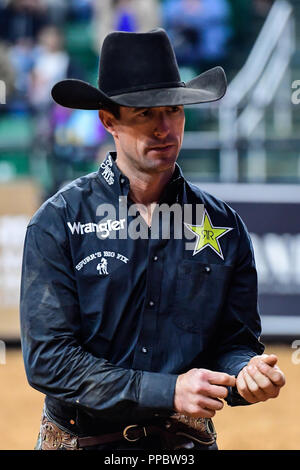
[{"x": 208, "y": 235}]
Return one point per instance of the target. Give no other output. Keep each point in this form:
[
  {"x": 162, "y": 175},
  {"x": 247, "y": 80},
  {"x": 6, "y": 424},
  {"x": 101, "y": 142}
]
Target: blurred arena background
[{"x": 244, "y": 149}]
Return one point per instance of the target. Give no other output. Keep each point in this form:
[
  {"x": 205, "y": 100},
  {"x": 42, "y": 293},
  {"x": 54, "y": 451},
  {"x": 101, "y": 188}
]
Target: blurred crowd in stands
[
  {"x": 33, "y": 54},
  {"x": 44, "y": 41}
]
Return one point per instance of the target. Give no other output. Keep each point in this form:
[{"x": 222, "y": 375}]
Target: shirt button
[
  {"x": 207, "y": 269},
  {"x": 155, "y": 258},
  {"x": 151, "y": 303},
  {"x": 144, "y": 350},
  {"x": 122, "y": 180}
]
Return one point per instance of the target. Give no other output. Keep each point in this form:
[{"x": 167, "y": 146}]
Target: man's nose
[{"x": 162, "y": 126}]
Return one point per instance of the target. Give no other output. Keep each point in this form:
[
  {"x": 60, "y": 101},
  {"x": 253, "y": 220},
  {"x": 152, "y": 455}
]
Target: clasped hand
[
  {"x": 261, "y": 379},
  {"x": 199, "y": 392}
]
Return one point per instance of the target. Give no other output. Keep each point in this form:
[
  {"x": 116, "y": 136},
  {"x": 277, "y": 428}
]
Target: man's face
[{"x": 149, "y": 139}]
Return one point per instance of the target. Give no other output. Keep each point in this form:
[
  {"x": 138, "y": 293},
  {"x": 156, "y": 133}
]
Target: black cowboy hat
[{"x": 140, "y": 70}]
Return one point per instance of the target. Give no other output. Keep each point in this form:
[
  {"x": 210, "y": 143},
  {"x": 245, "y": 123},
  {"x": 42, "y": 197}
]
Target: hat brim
[{"x": 206, "y": 87}]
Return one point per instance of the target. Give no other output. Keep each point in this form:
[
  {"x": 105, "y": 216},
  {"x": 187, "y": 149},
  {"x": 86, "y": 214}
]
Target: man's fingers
[
  {"x": 269, "y": 359},
  {"x": 220, "y": 378},
  {"x": 205, "y": 413},
  {"x": 216, "y": 391},
  {"x": 244, "y": 390},
  {"x": 198, "y": 392},
  {"x": 273, "y": 373},
  {"x": 262, "y": 380},
  {"x": 198, "y": 411},
  {"x": 253, "y": 387},
  {"x": 211, "y": 404}
]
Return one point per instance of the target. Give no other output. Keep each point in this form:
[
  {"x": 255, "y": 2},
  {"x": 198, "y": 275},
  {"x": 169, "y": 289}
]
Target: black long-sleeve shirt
[{"x": 108, "y": 321}]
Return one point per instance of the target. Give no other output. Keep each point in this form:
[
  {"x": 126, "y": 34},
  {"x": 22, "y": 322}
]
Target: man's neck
[
  {"x": 149, "y": 189},
  {"x": 145, "y": 188}
]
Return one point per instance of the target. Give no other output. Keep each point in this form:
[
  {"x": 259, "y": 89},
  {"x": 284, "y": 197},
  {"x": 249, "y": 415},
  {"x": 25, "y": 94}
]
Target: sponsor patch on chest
[
  {"x": 103, "y": 258},
  {"x": 103, "y": 228}
]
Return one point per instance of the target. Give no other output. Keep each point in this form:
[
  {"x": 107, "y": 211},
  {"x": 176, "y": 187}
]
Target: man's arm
[
  {"x": 56, "y": 363},
  {"x": 199, "y": 392},
  {"x": 238, "y": 335}
]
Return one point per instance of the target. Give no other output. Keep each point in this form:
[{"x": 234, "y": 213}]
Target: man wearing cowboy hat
[{"x": 139, "y": 355}]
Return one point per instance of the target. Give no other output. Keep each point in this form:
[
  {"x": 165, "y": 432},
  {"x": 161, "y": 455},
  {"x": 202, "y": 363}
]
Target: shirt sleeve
[
  {"x": 239, "y": 333},
  {"x": 56, "y": 362}
]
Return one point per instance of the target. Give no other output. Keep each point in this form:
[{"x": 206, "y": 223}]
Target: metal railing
[{"x": 263, "y": 80}]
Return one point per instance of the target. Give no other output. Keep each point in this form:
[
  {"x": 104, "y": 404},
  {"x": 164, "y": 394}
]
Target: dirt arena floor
[{"x": 273, "y": 425}]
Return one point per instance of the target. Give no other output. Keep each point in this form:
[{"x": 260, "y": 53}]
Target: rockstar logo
[{"x": 208, "y": 235}]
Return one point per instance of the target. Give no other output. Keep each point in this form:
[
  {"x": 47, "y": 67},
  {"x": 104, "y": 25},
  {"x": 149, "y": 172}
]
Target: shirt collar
[
  {"x": 171, "y": 191},
  {"x": 109, "y": 174},
  {"x": 118, "y": 183}
]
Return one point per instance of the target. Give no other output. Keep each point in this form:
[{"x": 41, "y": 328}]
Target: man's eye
[
  {"x": 175, "y": 109},
  {"x": 144, "y": 113}
]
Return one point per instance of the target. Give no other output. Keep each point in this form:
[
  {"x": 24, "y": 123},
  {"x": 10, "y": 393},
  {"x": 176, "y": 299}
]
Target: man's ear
[{"x": 108, "y": 121}]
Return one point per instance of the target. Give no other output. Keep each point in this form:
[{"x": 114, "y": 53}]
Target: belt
[
  {"x": 131, "y": 433},
  {"x": 171, "y": 430},
  {"x": 200, "y": 430}
]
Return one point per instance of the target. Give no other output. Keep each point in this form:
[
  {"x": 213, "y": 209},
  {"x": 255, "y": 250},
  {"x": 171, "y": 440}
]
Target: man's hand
[
  {"x": 198, "y": 392},
  {"x": 261, "y": 379}
]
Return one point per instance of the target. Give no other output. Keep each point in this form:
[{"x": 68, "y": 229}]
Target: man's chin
[{"x": 161, "y": 162}]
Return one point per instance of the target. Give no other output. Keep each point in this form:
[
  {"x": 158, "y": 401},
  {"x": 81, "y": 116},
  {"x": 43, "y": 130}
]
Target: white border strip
[
  {"x": 253, "y": 192},
  {"x": 280, "y": 325}
]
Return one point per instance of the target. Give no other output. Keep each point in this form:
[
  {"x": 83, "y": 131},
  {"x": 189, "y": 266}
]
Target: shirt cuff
[
  {"x": 157, "y": 391},
  {"x": 234, "y": 398}
]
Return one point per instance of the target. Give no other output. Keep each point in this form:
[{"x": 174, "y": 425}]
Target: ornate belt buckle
[
  {"x": 125, "y": 435},
  {"x": 210, "y": 427}
]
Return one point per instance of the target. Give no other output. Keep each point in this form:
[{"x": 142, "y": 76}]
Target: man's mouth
[{"x": 162, "y": 148}]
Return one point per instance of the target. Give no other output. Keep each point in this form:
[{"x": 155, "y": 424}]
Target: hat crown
[{"x": 137, "y": 61}]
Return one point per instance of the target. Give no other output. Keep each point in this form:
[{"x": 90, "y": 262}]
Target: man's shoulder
[
  {"x": 210, "y": 201},
  {"x": 220, "y": 213},
  {"x": 219, "y": 210},
  {"x": 66, "y": 199}
]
